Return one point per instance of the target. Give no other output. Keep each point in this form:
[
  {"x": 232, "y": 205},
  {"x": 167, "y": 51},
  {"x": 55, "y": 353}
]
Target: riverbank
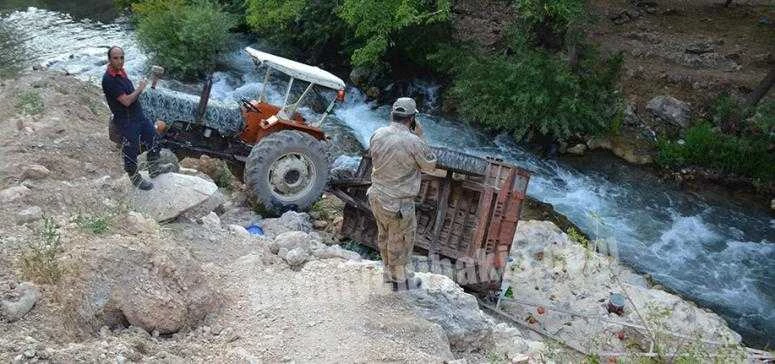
[{"x": 209, "y": 290}]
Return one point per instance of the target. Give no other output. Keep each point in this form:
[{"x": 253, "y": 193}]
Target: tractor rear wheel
[{"x": 287, "y": 170}]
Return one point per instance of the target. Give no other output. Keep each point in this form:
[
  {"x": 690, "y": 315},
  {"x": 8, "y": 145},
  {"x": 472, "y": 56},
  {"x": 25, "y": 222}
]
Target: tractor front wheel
[{"x": 287, "y": 170}]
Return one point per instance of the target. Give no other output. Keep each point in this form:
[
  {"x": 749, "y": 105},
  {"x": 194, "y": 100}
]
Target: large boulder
[
  {"x": 126, "y": 282},
  {"x": 552, "y": 269},
  {"x": 174, "y": 195},
  {"x": 671, "y": 110},
  {"x": 443, "y": 302}
]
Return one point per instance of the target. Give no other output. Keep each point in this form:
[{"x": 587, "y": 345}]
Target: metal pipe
[
  {"x": 287, "y": 96},
  {"x": 262, "y": 95}
]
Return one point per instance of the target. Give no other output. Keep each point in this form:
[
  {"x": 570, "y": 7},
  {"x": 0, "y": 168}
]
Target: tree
[{"x": 185, "y": 37}]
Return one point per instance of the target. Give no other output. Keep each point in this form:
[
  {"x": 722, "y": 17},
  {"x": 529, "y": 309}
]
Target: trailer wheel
[{"x": 287, "y": 170}]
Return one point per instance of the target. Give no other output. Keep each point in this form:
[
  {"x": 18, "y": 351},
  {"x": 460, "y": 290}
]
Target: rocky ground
[{"x": 92, "y": 270}]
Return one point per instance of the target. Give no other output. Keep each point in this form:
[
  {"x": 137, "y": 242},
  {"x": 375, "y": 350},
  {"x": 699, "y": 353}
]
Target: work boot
[
  {"x": 139, "y": 182},
  {"x": 408, "y": 284},
  {"x": 156, "y": 168}
]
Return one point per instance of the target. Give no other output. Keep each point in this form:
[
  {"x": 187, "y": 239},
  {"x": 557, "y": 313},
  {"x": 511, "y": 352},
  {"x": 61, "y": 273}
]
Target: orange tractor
[{"x": 280, "y": 155}]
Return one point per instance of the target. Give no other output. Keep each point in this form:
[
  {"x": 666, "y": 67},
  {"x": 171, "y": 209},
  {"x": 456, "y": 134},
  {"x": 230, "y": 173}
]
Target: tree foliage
[
  {"x": 363, "y": 30},
  {"x": 376, "y": 22},
  {"x": 186, "y": 37},
  {"x": 533, "y": 92}
]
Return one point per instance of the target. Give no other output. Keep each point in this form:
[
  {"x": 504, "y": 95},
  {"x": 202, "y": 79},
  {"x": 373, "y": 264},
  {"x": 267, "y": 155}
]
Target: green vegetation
[
  {"x": 94, "y": 224},
  {"x": 186, "y": 37},
  {"x": 39, "y": 261},
  {"x": 745, "y": 153},
  {"x": 29, "y": 102},
  {"x": 706, "y": 147},
  {"x": 363, "y": 31},
  {"x": 534, "y": 92}
]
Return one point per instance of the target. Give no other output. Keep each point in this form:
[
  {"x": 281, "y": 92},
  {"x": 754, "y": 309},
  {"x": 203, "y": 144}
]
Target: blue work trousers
[{"x": 134, "y": 132}]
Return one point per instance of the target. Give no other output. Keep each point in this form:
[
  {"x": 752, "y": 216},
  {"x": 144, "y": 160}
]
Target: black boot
[{"x": 139, "y": 182}]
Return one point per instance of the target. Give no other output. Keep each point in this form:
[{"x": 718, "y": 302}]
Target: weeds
[
  {"x": 94, "y": 224},
  {"x": 39, "y": 262},
  {"x": 29, "y": 102}
]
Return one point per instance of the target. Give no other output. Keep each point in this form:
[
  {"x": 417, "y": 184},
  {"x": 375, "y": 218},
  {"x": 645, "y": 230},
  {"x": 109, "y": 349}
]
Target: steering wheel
[{"x": 248, "y": 105}]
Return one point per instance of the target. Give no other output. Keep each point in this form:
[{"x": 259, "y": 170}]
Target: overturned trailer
[{"x": 467, "y": 213}]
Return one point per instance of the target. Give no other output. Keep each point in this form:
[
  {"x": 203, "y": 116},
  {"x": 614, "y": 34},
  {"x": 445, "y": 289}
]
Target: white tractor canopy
[{"x": 298, "y": 70}]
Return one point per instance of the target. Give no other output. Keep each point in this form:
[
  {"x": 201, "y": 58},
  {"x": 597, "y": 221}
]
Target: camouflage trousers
[{"x": 396, "y": 227}]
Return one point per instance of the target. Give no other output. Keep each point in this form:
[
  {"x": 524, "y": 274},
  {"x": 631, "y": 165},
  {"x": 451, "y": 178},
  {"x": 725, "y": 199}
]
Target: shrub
[
  {"x": 185, "y": 37},
  {"x": 94, "y": 224},
  {"x": 741, "y": 155},
  {"x": 29, "y": 102},
  {"x": 535, "y": 92},
  {"x": 39, "y": 262}
]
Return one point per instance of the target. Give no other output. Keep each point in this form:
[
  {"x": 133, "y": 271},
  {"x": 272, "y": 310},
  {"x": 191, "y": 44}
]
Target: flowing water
[{"x": 712, "y": 249}]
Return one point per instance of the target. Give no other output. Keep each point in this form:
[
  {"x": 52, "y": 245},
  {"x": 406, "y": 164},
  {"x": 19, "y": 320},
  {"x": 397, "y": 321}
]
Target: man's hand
[
  {"x": 417, "y": 129},
  {"x": 141, "y": 85},
  {"x": 128, "y": 100}
]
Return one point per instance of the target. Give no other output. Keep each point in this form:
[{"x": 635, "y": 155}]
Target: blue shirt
[{"x": 115, "y": 84}]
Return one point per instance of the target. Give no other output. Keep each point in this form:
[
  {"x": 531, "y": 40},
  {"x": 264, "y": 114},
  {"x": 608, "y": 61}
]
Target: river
[{"x": 707, "y": 247}]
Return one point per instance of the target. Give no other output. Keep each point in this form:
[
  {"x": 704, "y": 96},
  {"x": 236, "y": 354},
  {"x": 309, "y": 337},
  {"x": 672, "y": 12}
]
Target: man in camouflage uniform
[{"x": 398, "y": 154}]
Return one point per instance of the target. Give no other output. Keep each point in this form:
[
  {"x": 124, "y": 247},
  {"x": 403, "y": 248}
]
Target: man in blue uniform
[{"x": 129, "y": 119}]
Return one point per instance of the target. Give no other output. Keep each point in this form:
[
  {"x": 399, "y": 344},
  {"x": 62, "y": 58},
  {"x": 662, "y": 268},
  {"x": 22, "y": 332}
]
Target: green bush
[
  {"x": 741, "y": 155},
  {"x": 185, "y": 37},
  {"x": 39, "y": 262},
  {"x": 94, "y": 224},
  {"x": 534, "y": 92}
]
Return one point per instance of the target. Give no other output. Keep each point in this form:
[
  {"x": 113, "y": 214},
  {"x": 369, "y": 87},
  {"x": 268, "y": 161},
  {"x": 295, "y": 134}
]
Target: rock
[
  {"x": 211, "y": 221},
  {"x": 631, "y": 115},
  {"x": 14, "y": 309},
  {"x": 670, "y": 109},
  {"x": 136, "y": 223},
  {"x": 240, "y": 215},
  {"x": 361, "y": 76},
  {"x": 296, "y": 256},
  {"x": 573, "y": 277},
  {"x": 155, "y": 286},
  {"x": 577, "y": 149},
  {"x": 700, "y": 47},
  {"x": 153, "y": 310},
  {"x": 239, "y": 231},
  {"x": 289, "y": 221},
  {"x": 30, "y": 214},
  {"x": 373, "y": 92},
  {"x": 35, "y": 171},
  {"x": 335, "y": 251},
  {"x": 441, "y": 299},
  {"x": 320, "y": 224},
  {"x": 14, "y": 193},
  {"x": 174, "y": 195},
  {"x": 291, "y": 240}
]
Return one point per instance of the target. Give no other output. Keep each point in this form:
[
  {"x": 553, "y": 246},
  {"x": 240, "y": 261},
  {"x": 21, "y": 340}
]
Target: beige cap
[{"x": 404, "y": 106}]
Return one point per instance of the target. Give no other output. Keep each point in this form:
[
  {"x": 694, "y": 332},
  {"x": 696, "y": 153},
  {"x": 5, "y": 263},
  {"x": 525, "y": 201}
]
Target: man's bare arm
[{"x": 127, "y": 100}]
